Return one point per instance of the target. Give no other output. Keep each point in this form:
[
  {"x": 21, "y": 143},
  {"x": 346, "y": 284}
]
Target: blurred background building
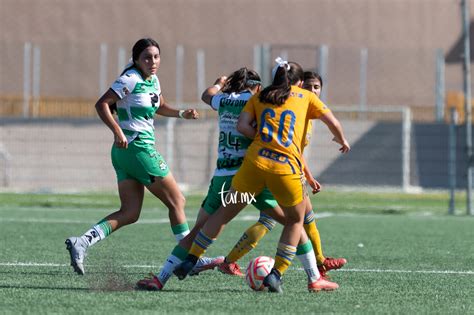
[{"x": 392, "y": 71}]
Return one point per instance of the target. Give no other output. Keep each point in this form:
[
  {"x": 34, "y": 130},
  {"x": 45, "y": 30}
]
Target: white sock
[
  {"x": 308, "y": 261},
  {"x": 167, "y": 271},
  {"x": 92, "y": 236},
  {"x": 181, "y": 235}
]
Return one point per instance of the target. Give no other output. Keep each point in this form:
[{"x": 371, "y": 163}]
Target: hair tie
[
  {"x": 280, "y": 62},
  {"x": 253, "y": 82}
]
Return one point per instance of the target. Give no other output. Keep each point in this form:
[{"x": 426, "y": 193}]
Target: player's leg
[
  {"x": 287, "y": 246},
  {"x": 210, "y": 204},
  {"x": 207, "y": 235},
  {"x": 176, "y": 257},
  {"x": 131, "y": 197},
  {"x": 312, "y": 231},
  {"x": 269, "y": 209},
  {"x": 306, "y": 256},
  {"x": 166, "y": 189},
  {"x": 233, "y": 203},
  {"x": 324, "y": 263},
  {"x": 289, "y": 191}
]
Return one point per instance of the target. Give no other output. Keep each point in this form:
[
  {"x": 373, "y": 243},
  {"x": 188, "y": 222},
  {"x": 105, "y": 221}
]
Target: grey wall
[
  {"x": 74, "y": 155},
  {"x": 401, "y": 35}
]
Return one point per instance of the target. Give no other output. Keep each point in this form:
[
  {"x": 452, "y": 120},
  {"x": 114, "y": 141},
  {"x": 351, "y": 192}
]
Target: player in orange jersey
[{"x": 273, "y": 160}]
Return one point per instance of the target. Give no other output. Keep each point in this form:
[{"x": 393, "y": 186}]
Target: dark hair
[
  {"x": 140, "y": 46},
  {"x": 240, "y": 80},
  {"x": 279, "y": 91},
  {"x": 311, "y": 75}
]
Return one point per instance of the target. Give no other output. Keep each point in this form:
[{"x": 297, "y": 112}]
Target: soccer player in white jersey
[{"x": 137, "y": 95}]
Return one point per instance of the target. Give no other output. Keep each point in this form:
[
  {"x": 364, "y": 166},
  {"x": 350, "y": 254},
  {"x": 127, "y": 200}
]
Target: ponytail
[{"x": 285, "y": 74}]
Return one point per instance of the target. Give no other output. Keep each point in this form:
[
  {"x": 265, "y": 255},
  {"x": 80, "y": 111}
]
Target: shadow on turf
[
  {"x": 33, "y": 273},
  {"x": 43, "y": 288}
]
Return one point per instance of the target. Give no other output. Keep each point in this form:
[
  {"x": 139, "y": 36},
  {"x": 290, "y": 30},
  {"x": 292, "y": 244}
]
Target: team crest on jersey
[
  {"x": 125, "y": 90},
  {"x": 162, "y": 165}
]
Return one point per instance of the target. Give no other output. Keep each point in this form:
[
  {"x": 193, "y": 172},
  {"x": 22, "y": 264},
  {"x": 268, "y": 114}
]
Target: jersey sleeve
[
  {"x": 124, "y": 85},
  {"x": 316, "y": 107},
  {"x": 308, "y": 133},
  {"x": 250, "y": 105},
  {"x": 158, "y": 86},
  {"x": 216, "y": 101}
]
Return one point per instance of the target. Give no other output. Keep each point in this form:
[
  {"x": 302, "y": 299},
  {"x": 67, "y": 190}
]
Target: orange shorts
[{"x": 288, "y": 189}]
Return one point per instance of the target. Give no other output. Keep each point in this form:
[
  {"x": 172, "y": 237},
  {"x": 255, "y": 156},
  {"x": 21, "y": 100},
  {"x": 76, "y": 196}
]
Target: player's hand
[
  {"x": 345, "y": 146},
  {"x": 190, "y": 114},
  {"x": 343, "y": 142},
  {"x": 315, "y": 185},
  {"x": 221, "y": 80},
  {"x": 121, "y": 140}
]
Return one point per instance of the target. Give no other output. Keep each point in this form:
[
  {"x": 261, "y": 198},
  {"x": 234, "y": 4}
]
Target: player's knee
[
  {"x": 129, "y": 214},
  {"x": 127, "y": 219},
  {"x": 177, "y": 203},
  {"x": 132, "y": 217},
  {"x": 294, "y": 218},
  {"x": 181, "y": 201}
]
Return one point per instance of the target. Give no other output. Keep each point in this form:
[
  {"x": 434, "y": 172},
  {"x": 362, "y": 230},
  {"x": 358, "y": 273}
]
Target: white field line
[
  {"x": 465, "y": 272},
  {"x": 141, "y": 221}
]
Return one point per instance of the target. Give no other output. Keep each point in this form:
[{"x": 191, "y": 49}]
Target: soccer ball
[{"x": 257, "y": 270}]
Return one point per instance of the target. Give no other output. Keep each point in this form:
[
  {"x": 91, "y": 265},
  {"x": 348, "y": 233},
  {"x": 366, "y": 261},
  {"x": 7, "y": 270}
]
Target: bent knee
[
  {"x": 176, "y": 203},
  {"x": 294, "y": 219},
  {"x": 130, "y": 217}
]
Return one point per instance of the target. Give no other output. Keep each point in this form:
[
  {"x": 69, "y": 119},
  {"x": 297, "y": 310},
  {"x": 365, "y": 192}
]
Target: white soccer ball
[{"x": 257, "y": 270}]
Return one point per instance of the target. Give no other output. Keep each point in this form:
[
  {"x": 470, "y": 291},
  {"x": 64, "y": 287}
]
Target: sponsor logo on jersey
[
  {"x": 272, "y": 155},
  {"x": 298, "y": 95},
  {"x": 229, "y": 163},
  {"x": 234, "y": 103}
]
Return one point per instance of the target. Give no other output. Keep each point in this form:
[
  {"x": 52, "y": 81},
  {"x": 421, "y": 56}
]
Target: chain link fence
[{"x": 63, "y": 79}]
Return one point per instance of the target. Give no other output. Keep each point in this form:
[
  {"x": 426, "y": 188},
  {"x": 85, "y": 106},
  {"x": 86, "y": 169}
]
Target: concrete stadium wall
[
  {"x": 402, "y": 36},
  {"x": 75, "y": 155}
]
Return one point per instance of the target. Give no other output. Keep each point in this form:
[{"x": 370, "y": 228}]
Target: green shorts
[
  {"x": 221, "y": 184},
  {"x": 139, "y": 161}
]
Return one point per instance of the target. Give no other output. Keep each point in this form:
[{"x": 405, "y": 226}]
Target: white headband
[{"x": 280, "y": 63}]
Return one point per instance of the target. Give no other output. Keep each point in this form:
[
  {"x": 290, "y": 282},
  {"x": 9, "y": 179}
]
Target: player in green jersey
[{"x": 137, "y": 95}]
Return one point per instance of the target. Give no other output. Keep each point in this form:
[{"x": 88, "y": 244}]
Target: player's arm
[
  {"x": 208, "y": 93},
  {"x": 168, "y": 111},
  {"x": 103, "y": 110},
  {"x": 335, "y": 127},
  {"x": 318, "y": 109},
  {"x": 246, "y": 125},
  {"x": 313, "y": 183}
]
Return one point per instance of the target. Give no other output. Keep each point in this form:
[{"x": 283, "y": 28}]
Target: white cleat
[
  {"x": 206, "y": 263},
  {"x": 77, "y": 251}
]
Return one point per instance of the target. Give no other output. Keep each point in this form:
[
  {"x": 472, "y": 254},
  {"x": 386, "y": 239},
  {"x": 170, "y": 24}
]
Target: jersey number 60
[{"x": 268, "y": 136}]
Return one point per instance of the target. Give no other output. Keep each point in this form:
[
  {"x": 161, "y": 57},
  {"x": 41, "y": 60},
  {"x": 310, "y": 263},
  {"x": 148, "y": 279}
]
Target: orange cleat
[
  {"x": 322, "y": 285},
  {"x": 334, "y": 263},
  {"x": 151, "y": 283},
  {"x": 232, "y": 269},
  {"x": 330, "y": 264}
]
